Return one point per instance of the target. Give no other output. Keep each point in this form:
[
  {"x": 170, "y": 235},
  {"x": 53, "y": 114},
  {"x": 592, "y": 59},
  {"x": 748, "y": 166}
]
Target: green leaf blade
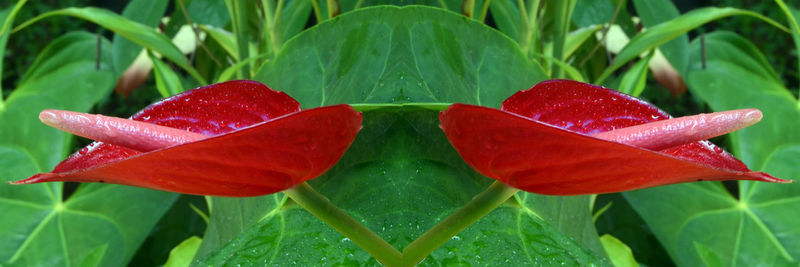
[
  {"x": 136, "y": 32},
  {"x": 664, "y": 32}
]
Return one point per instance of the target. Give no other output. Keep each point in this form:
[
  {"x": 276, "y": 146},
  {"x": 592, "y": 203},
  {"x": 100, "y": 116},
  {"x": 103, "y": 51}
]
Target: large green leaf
[
  {"x": 664, "y": 32},
  {"x": 414, "y": 54},
  {"x": 401, "y": 176},
  {"x": 702, "y": 223},
  {"x": 97, "y": 224},
  {"x": 737, "y": 76}
]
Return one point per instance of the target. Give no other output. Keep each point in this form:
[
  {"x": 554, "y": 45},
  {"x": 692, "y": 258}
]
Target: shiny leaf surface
[
  {"x": 41, "y": 225},
  {"x": 704, "y": 223}
]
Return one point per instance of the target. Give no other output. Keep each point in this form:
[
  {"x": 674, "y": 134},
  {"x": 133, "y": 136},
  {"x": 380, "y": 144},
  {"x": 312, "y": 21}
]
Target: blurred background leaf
[{"x": 340, "y": 62}]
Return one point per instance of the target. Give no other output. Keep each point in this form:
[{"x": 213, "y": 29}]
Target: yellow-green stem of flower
[
  {"x": 477, "y": 208},
  {"x": 318, "y": 205}
]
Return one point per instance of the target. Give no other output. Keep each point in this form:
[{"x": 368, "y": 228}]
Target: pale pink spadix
[
  {"x": 663, "y": 134},
  {"x": 143, "y": 136},
  {"x": 136, "y": 135}
]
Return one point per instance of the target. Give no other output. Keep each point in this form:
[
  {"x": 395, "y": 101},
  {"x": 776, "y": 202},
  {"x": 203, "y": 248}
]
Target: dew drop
[{"x": 717, "y": 150}]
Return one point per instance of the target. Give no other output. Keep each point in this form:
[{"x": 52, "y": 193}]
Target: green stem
[
  {"x": 333, "y": 8},
  {"x": 533, "y": 25},
  {"x": 277, "y": 39},
  {"x": 358, "y": 4},
  {"x": 484, "y": 10},
  {"x": 322, "y": 208},
  {"x": 468, "y": 8},
  {"x": 238, "y": 14},
  {"x": 266, "y": 43},
  {"x": 482, "y": 204},
  {"x": 563, "y": 9},
  {"x": 317, "y": 11},
  {"x": 442, "y": 4},
  {"x": 530, "y": 34}
]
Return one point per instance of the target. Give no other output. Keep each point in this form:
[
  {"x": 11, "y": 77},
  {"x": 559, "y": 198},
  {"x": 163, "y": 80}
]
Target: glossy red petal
[
  {"x": 591, "y": 109},
  {"x": 541, "y": 158},
  {"x": 209, "y": 110},
  {"x": 262, "y": 159}
]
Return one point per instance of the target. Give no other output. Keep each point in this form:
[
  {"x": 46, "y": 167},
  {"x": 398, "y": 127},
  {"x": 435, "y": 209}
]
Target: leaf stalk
[
  {"x": 318, "y": 205},
  {"x": 468, "y": 8},
  {"x": 333, "y": 8},
  {"x": 497, "y": 193}
]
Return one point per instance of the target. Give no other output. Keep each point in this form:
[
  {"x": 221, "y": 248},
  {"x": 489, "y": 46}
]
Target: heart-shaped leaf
[
  {"x": 703, "y": 223},
  {"x": 41, "y": 225}
]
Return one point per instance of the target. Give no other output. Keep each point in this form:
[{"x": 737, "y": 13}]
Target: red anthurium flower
[
  {"x": 565, "y": 137},
  {"x": 236, "y": 138}
]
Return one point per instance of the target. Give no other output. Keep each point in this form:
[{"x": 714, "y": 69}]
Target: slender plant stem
[
  {"x": 265, "y": 43},
  {"x": 533, "y": 25},
  {"x": 468, "y": 8},
  {"x": 277, "y": 39},
  {"x": 322, "y": 208},
  {"x": 317, "y": 11},
  {"x": 564, "y": 12},
  {"x": 525, "y": 30},
  {"x": 530, "y": 29},
  {"x": 442, "y": 4},
  {"x": 484, "y": 10},
  {"x": 239, "y": 21},
  {"x": 358, "y": 4},
  {"x": 333, "y": 8},
  {"x": 482, "y": 204}
]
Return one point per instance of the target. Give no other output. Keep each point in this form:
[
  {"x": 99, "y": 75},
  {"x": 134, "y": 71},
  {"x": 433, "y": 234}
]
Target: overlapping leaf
[
  {"x": 39, "y": 226},
  {"x": 703, "y": 223},
  {"x": 401, "y": 155},
  {"x": 414, "y": 56}
]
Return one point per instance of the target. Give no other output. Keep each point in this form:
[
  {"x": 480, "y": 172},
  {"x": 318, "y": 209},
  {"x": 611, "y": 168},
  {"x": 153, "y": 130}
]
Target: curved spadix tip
[
  {"x": 49, "y": 117},
  {"x": 751, "y": 116}
]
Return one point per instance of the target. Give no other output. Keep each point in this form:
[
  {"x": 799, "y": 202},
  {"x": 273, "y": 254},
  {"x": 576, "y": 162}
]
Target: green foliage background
[{"x": 401, "y": 176}]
